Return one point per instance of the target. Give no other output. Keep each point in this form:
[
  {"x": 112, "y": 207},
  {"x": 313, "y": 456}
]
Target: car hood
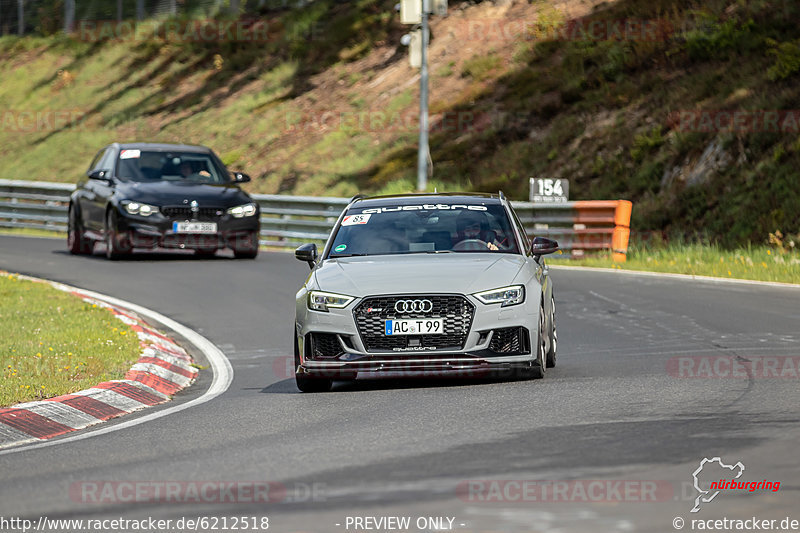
[
  {"x": 175, "y": 193},
  {"x": 418, "y": 273}
]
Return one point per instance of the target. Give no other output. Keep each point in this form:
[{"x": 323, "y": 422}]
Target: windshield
[
  {"x": 424, "y": 228},
  {"x": 187, "y": 167}
]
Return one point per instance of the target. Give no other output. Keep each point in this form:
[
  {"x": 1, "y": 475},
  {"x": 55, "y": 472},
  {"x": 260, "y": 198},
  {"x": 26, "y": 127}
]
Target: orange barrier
[
  {"x": 581, "y": 226},
  {"x": 622, "y": 230},
  {"x": 616, "y": 213}
]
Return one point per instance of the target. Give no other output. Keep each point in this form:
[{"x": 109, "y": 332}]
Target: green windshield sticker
[{"x": 340, "y": 248}]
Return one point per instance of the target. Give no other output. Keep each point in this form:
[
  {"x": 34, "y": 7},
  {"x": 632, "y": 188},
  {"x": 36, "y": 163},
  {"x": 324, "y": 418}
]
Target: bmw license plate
[
  {"x": 194, "y": 227},
  {"x": 415, "y": 326}
]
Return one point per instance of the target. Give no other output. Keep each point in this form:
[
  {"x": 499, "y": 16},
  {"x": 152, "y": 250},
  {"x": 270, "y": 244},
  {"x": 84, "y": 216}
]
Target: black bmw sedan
[{"x": 143, "y": 195}]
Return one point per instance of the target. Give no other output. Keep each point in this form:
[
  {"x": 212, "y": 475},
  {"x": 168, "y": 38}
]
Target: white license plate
[
  {"x": 415, "y": 326},
  {"x": 194, "y": 227}
]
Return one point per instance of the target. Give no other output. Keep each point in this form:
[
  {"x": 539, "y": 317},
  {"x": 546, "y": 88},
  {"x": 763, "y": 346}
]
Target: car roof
[
  {"x": 163, "y": 147},
  {"x": 418, "y": 198}
]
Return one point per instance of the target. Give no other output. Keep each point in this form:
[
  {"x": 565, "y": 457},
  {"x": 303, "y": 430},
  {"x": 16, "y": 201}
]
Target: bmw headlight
[
  {"x": 241, "y": 211},
  {"x": 136, "y": 208},
  {"x": 321, "y": 301},
  {"x": 512, "y": 295}
]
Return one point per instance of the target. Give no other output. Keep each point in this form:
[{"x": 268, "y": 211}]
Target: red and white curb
[{"x": 163, "y": 369}]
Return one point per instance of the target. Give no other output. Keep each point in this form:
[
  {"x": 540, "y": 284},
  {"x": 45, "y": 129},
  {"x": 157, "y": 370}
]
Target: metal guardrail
[{"x": 287, "y": 221}]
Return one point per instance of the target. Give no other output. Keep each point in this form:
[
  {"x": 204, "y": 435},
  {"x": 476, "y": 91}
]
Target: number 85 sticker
[{"x": 352, "y": 220}]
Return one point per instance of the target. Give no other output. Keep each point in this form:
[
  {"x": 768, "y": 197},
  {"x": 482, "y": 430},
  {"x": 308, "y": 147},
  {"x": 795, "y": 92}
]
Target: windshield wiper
[
  {"x": 429, "y": 252},
  {"x": 337, "y": 256}
]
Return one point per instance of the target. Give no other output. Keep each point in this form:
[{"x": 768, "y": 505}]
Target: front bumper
[
  {"x": 483, "y": 350},
  {"x": 461, "y": 364},
  {"x": 152, "y": 233}
]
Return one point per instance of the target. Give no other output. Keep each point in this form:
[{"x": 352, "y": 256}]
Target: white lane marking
[
  {"x": 609, "y": 300},
  {"x": 220, "y": 366},
  {"x": 678, "y": 276}
]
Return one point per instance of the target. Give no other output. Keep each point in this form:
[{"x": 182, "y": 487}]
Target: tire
[
  {"x": 117, "y": 245},
  {"x": 77, "y": 243},
  {"x": 552, "y": 352},
  {"x": 246, "y": 248},
  {"x": 535, "y": 370},
  {"x": 305, "y": 382}
]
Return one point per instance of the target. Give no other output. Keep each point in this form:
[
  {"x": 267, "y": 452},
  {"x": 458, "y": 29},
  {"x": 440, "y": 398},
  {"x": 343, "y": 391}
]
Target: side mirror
[
  {"x": 241, "y": 177},
  {"x": 543, "y": 246},
  {"x": 308, "y": 253},
  {"x": 101, "y": 175}
]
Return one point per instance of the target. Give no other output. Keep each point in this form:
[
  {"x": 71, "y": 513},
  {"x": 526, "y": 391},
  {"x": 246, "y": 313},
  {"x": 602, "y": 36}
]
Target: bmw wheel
[
  {"x": 117, "y": 244},
  {"x": 77, "y": 243}
]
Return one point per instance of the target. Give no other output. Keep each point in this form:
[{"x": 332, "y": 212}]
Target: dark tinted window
[
  {"x": 424, "y": 228},
  {"x": 141, "y": 165}
]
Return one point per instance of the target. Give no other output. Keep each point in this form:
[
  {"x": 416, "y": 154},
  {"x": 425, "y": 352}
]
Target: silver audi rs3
[{"x": 425, "y": 283}]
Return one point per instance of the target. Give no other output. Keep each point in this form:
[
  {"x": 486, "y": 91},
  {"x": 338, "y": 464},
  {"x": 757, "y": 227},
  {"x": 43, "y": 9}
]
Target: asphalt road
[{"x": 614, "y": 409}]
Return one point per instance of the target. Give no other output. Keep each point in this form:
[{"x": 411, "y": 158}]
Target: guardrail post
[{"x": 622, "y": 231}]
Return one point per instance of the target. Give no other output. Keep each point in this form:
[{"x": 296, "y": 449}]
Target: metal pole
[
  {"x": 69, "y": 16},
  {"x": 422, "y": 155},
  {"x": 20, "y": 17},
  {"x": 119, "y": 10},
  {"x": 139, "y": 9}
]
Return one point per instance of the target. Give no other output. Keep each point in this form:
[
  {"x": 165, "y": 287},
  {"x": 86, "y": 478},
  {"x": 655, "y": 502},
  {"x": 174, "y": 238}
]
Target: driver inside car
[
  {"x": 474, "y": 233},
  {"x": 187, "y": 171}
]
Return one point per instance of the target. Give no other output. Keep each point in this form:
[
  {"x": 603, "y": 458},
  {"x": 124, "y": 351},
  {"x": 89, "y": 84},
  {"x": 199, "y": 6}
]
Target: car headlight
[
  {"x": 241, "y": 211},
  {"x": 321, "y": 301},
  {"x": 136, "y": 208},
  {"x": 512, "y": 295}
]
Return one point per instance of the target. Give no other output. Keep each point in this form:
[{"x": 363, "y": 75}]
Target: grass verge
[
  {"x": 31, "y": 232},
  {"x": 751, "y": 263},
  {"x": 55, "y": 343}
]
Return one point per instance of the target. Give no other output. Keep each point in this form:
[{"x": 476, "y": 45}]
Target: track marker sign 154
[{"x": 549, "y": 190}]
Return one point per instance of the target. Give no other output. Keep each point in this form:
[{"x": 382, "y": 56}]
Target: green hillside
[{"x": 322, "y": 101}]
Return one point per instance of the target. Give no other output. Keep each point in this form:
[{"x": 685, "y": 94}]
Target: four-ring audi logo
[{"x": 413, "y": 306}]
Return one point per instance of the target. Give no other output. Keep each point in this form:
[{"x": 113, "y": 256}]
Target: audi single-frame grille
[{"x": 372, "y": 313}]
